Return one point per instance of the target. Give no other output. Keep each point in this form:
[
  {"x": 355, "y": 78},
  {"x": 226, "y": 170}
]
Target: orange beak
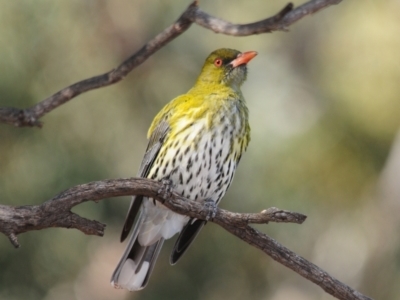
[{"x": 243, "y": 58}]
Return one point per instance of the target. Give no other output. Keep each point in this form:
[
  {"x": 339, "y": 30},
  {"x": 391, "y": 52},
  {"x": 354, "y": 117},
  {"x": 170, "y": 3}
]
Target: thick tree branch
[
  {"x": 56, "y": 212},
  {"x": 193, "y": 14}
]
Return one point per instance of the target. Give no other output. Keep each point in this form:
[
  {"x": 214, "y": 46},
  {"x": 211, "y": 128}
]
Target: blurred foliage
[{"x": 324, "y": 104}]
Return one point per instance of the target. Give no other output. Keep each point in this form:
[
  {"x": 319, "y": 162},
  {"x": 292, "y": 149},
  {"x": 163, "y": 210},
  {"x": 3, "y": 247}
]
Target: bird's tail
[{"x": 137, "y": 262}]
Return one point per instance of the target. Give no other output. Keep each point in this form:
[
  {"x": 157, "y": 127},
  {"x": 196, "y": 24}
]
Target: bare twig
[
  {"x": 193, "y": 14},
  {"x": 294, "y": 262},
  {"x": 56, "y": 212}
]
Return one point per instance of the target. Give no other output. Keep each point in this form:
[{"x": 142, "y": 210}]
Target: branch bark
[
  {"x": 30, "y": 117},
  {"x": 56, "y": 212}
]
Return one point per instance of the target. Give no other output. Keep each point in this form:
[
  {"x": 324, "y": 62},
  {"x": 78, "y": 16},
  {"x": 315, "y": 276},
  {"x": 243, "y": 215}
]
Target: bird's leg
[
  {"x": 166, "y": 189},
  {"x": 212, "y": 208}
]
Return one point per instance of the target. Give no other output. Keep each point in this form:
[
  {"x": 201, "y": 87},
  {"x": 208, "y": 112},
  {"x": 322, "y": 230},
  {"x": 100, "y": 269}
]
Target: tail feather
[
  {"x": 136, "y": 264},
  {"x": 185, "y": 239},
  {"x": 134, "y": 208},
  {"x": 153, "y": 225}
]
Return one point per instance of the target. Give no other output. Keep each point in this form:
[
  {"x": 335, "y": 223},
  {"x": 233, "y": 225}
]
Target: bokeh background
[{"x": 324, "y": 101}]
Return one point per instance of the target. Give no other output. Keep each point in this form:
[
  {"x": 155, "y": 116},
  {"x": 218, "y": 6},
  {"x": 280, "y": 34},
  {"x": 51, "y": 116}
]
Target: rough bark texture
[{"x": 56, "y": 212}]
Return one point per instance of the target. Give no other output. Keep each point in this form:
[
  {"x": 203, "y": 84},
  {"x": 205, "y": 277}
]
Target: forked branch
[
  {"x": 56, "y": 212},
  {"x": 193, "y": 14}
]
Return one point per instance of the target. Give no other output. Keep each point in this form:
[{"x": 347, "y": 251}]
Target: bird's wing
[{"x": 155, "y": 143}]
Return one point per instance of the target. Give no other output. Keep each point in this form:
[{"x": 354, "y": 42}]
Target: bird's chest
[{"x": 201, "y": 159}]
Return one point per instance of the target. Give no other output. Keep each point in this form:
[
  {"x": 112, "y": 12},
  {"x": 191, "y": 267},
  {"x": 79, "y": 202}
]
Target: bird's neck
[{"x": 215, "y": 87}]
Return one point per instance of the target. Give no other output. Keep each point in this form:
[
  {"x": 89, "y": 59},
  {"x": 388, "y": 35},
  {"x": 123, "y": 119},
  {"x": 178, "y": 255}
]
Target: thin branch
[
  {"x": 193, "y": 14},
  {"x": 293, "y": 261},
  {"x": 56, "y": 212},
  {"x": 268, "y": 25}
]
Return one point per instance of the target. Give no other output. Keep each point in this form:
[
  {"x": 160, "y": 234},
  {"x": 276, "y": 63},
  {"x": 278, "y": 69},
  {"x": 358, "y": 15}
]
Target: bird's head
[{"x": 226, "y": 66}]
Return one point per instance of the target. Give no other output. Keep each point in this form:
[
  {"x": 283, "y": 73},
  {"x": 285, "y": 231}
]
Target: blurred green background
[{"x": 325, "y": 115}]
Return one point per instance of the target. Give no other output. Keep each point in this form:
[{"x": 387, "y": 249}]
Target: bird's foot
[
  {"x": 166, "y": 190},
  {"x": 212, "y": 209}
]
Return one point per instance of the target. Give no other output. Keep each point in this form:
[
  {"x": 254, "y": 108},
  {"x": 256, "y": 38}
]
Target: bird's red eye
[{"x": 218, "y": 62}]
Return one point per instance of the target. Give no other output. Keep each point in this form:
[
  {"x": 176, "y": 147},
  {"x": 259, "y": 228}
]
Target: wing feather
[{"x": 156, "y": 141}]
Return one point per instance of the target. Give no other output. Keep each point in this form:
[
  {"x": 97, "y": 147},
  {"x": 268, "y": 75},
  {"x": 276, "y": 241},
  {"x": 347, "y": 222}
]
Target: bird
[{"x": 195, "y": 142}]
